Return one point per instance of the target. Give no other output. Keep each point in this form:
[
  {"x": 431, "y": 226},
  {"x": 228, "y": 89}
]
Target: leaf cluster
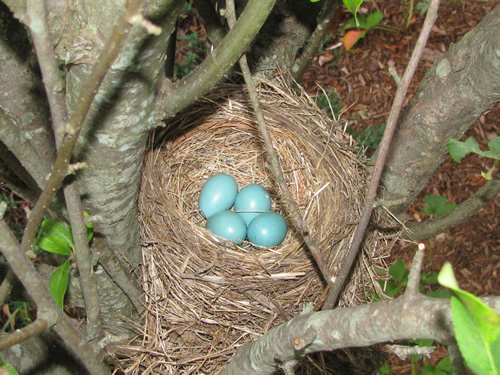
[{"x": 56, "y": 238}]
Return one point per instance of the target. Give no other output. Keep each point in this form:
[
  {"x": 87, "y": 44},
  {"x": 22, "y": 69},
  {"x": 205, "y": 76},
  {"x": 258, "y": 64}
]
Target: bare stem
[
  {"x": 23, "y": 334},
  {"x": 371, "y": 193},
  {"x": 415, "y": 269},
  {"x": 275, "y": 166},
  {"x": 72, "y": 129},
  {"x": 37, "y": 14},
  {"x": 324, "y": 26}
]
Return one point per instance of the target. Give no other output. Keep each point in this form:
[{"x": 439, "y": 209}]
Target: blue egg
[
  {"x": 218, "y": 194},
  {"x": 252, "y": 198},
  {"x": 267, "y": 229},
  {"x": 228, "y": 225}
]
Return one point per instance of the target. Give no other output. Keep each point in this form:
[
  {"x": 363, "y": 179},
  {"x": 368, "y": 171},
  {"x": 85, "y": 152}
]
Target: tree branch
[
  {"x": 37, "y": 14},
  {"x": 412, "y": 287},
  {"x": 23, "y": 334},
  {"x": 72, "y": 130},
  {"x": 485, "y": 194},
  {"x": 324, "y": 26},
  {"x": 275, "y": 166},
  {"x": 184, "y": 92},
  {"x": 371, "y": 192},
  {"x": 467, "y": 81},
  {"x": 399, "y": 319}
]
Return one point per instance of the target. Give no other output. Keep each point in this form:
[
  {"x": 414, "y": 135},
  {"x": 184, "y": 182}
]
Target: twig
[
  {"x": 324, "y": 26},
  {"x": 371, "y": 193},
  {"x": 23, "y": 334},
  {"x": 426, "y": 229},
  {"x": 275, "y": 166},
  {"x": 37, "y": 14},
  {"x": 72, "y": 129},
  {"x": 415, "y": 269}
]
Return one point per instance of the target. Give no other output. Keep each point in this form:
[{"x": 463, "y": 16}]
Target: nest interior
[{"x": 205, "y": 299}]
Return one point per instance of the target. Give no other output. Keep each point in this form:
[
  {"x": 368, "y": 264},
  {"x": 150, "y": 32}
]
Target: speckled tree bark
[
  {"x": 461, "y": 86},
  {"x": 114, "y": 137}
]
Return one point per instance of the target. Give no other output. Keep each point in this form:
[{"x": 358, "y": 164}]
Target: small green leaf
[
  {"x": 441, "y": 293},
  {"x": 494, "y": 152},
  {"x": 477, "y": 326},
  {"x": 385, "y": 369},
  {"x": 353, "y": 5},
  {"x": 55, "y": 245},
  {"x": 391, "y": 289},
  {"x": 399, "y": 272},
  {"x": 429, "y": 278},
  {"x": 90, "y": 225},
  {"x": 56, "y": 229},
  {"x": 54, "y": 237},
  {"x": 437, "y": 205},
  {"x": 489, "y": 175},
  {"x": 373, "y": 19},
  {"x": 8, "y": 368},
  {"x": 59, "y": 282},
  {"x": 459, "y": 150}
]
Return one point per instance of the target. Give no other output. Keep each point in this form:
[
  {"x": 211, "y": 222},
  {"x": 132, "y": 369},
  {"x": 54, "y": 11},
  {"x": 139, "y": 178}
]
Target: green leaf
[
  {"x": 373, "y": 19},
  {"x": 399, "y": 272},
  {"x": 477, "y": 326},
  {"x": 55, "y": 245},
  {"x": 489, "y": 175},
  {"x": 90, "y": 225},
  {"x": 353, "y": 5},
  {"x": 391, "y": 289},
  {"x": 441, "y": 293},
  {"x": 436, "y": 205},
  {"x": 54, "y": 237},
  {"x": 458, "y": 150},
  {"x": 494, "y": 152},
  {"x": 59, "y": 282},
  {"x": 385, "y": 369},
  {"x": 429, "y": 278},
  {"x": 8, "y": 368}
]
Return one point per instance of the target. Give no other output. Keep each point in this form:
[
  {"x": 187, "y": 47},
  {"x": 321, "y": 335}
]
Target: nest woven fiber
[{"x": 203, "y": 298}]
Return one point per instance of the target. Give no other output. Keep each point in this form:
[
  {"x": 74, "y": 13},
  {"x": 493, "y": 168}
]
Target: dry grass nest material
[{"x": 204, "y": 299}]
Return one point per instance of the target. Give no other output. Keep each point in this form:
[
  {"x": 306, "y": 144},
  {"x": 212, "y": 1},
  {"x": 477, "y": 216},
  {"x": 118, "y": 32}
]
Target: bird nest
[{"x": 204, "y": 298}]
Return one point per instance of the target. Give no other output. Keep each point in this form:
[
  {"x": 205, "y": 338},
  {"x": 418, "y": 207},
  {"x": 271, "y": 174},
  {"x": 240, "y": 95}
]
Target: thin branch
[
  {"x": 22, "y": 149},
  {"x": 484, "y": 195},
  {"x": 412, "y": 287},
  {"x": 47, "y": 306},
  {"x": 371, "y": 193},
  {"x": 37, "y": 14},
  {"x": 8, "y": 284},
  {"x": 275, "y": 166},
  {"x": 175, "y": 97},
  {"x": 72, "y": 129},
  {"x": 324, "y": 26},
  {"x": 23, "y": 334}
]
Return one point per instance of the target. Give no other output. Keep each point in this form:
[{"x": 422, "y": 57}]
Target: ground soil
[{"x": 361, "y": 78}]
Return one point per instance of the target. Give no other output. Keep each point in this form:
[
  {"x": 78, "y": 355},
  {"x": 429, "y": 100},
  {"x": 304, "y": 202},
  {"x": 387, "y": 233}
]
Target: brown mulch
[{"x": 361, "y": 78}]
